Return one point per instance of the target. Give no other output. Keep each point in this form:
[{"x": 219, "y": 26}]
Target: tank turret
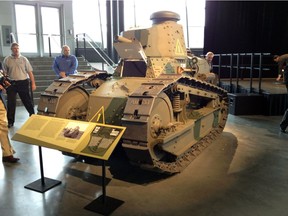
[{"x": 161, "y": 47}]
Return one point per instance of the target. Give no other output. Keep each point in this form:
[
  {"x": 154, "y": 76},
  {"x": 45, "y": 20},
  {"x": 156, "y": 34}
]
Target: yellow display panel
[{"x": 83, "y": 138}]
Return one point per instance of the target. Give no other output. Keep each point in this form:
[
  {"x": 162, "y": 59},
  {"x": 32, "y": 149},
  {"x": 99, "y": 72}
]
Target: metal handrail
[
  {"x": 12, "y": 37},
  {"x": 49, "y": 42},
  {"x": 231, "y": 65},
  {"x": 95, "y": 47}
]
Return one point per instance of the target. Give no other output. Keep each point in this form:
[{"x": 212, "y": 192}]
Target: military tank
[{"x": 158, "y": 91}]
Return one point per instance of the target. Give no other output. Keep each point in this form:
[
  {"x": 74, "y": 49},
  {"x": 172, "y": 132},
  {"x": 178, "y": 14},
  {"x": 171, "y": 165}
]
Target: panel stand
[
  {"x": 103, "y": 204},
  {"x": 43, "y": 184}
]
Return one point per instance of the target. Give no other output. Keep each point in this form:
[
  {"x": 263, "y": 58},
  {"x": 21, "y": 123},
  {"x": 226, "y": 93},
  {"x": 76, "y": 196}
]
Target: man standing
[
  {"x": 283, "y": 64},
  {"x": 19, "y": 69},
  {"x": 7, "y": 149},
  {"x": 211, "y": 77},
  {"x": 65, "y": 64},
  {"x": 209, "y": 58}
]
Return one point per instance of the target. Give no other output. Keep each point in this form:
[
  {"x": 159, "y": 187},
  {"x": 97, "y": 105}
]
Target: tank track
[
  {"x": 170, "y": 82},
  {"x": 185, "y": 159}
]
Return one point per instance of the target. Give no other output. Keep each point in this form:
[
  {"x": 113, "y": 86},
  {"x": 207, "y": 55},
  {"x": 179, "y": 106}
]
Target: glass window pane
[
  {"x": 51, "y": 27},
  {"x": 50, "y": 20},
  {"x": 196, "y": 35},
  {"x": 28, "y": 43},
  {"x": 26, "y": 28},
  {"x": 25, "y": 18},
  {"x": 143, "y": 10},
  {"x": 196, "y": 12},
  {"x": 137, "y": 14},
  {"x": 55, "y": 44},
  {"x": 90, "y": 20}
]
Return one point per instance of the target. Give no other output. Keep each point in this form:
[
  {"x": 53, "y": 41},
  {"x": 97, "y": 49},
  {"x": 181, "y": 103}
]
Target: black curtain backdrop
[{"x": 246, "y": 26}]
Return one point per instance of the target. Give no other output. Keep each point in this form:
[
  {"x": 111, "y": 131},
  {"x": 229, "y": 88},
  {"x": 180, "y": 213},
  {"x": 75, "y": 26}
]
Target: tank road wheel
[
  {"x": 160, "y": 118},
  {"x": 73, "y": 104}
]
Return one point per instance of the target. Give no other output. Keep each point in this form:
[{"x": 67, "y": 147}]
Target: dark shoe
[
  {"x": 10, "y": 125},
  {"x": 282, "y": 130},
  {"x": 10, "y": 159}
]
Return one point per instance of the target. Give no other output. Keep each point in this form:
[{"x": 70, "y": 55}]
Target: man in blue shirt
[{"x": 65, "y": 64}]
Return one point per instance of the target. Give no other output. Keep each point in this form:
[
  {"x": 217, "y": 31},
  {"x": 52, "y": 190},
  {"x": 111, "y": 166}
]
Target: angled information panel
[{"x": 79, "y": 137}]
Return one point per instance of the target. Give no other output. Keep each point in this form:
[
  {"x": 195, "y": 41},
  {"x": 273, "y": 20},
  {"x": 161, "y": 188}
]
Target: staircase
[{"x": 44, "y": 75}]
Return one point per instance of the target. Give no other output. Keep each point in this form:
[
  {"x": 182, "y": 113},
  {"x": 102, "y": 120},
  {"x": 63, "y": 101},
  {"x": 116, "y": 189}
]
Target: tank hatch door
[
  {"x": 130, "y": 51},
  {"x": 134, "y": 60}
]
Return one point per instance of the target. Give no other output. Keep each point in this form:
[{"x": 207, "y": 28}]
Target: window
[
  {"x": 26, "y": 28},
  {"x": 51, "y": 27},
  {"x": 33, "y": 33},
  {"x": 137, "y": 14},
  {"x": 88, "y": 19}
]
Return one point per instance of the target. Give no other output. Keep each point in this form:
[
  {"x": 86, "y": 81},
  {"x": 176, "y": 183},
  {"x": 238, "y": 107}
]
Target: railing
[
  {"x": 51, "y": 41},
  {"x": 98, "y": 50},
  {"x": 55, "y": 41},
  {"x": 236, "y": 63},
  {"x": 12, "y": 37}
]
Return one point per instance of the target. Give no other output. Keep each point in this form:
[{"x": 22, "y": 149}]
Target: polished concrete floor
[{"x": 244, "y": 173}]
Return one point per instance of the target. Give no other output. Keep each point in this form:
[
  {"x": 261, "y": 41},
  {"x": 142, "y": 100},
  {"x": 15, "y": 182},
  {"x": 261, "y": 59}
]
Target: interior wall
[
  {"x": 246, "y": 26},
  {"x": 6, "y": 19}
]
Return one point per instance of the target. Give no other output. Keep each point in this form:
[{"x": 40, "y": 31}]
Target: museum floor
[{"x": 244, "y": 173}]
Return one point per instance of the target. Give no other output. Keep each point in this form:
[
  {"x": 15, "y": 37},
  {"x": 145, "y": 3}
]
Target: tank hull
[{"x": 161, "y": 95}]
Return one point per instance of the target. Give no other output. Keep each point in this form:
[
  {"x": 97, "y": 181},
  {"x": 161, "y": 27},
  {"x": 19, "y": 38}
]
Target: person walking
[
  {"x": 7, "y": 149},
  {"x": 283, "y": 66},
  {"x": 65, "y": 64},
  {"x": 20, "y": 72}
]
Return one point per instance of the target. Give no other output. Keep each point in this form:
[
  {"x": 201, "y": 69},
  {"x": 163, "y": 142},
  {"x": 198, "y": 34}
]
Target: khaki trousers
[{"x": 7, "y": 149}]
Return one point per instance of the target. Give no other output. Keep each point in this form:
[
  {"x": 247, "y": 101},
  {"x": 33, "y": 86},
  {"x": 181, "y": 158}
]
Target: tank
[{"x": 161, "y": 93}]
